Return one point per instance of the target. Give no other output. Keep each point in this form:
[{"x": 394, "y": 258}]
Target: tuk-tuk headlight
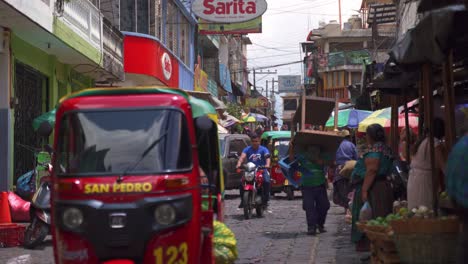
[
  {"x": 165, "y": 214},
  {"x": 72, "y": 217},
  {"x": 249, "y": 176}
]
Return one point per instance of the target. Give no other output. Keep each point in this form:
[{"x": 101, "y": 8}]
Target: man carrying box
[{"x": 315, "y": 202}]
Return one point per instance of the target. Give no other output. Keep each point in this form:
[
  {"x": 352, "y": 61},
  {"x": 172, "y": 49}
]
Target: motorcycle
[
  {"x": 39, "y": 210},
  {"x": 252, "y": 182}
]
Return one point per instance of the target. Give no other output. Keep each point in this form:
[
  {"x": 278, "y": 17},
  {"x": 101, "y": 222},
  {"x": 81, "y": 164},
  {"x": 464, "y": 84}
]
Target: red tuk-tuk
[
  {"x": 126, "y": 180},
  {"x": 277, "y": 143}
]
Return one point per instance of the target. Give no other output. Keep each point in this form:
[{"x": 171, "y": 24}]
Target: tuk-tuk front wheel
[
  {"x": 289, "y": 190},
  {"x": 247, "y": 200}
]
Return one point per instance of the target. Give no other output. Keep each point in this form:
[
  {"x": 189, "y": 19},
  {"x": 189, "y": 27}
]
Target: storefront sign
[
  {"x": 289, "y": 83},
  {"x": 248, "y": 27},
  {"x": 158, "y": 67},
  {"x": 166, "y": 65},
  {"x": 229, "y": 11},
  {"x": 259, "y": 102},
  {"x": 201, "y": 82}
]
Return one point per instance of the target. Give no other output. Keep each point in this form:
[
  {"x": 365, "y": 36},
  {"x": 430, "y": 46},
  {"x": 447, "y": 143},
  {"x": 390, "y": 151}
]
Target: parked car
[{"x": 231, "y": 146}]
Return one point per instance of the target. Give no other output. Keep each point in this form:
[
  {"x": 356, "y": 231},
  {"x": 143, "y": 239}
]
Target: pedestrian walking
[
  {"x": 310, "y": 162},
  {"x": 341, "y": 186}
]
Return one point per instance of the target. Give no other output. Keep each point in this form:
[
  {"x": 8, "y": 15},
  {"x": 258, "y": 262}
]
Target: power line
[{"x": 271, "y": 56}]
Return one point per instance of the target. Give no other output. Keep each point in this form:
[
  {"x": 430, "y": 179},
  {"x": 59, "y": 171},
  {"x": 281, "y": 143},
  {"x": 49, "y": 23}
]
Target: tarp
[
  {"x": 278, "y": 134},
  {"x": 431, "y": 40}
]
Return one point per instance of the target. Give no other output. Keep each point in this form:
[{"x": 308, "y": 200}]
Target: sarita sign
[{"x": 229, "y": 11}]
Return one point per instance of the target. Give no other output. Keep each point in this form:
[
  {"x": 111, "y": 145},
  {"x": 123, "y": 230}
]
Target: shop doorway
[{"x": 32, "y": 93}]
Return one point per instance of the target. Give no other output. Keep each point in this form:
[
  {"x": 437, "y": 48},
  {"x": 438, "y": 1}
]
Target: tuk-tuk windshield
[
  {"x": 134, "y": 141},
  {"x": 281, "y": 148}
]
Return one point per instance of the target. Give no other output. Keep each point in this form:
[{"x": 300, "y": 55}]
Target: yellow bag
[
  {"x": 348, "y": 168},
  {"x": 225, "y": 244}
]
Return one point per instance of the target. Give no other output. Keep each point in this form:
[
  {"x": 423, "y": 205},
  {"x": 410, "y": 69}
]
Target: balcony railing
[
  {"x": 87, "y": 21},
  {"x": 343, "y": 94},
  {"x": 113, "y": 49},
  {"x": 343, "y": 58},
  {"x": 85, "y": 17}
]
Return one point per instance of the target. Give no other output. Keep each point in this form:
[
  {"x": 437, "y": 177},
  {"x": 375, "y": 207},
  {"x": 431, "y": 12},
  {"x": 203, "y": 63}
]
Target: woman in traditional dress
[{"x": 370, "y": 181}]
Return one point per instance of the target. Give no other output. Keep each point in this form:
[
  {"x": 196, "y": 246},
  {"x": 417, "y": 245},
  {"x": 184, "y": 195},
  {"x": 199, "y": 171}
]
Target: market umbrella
[
  {"x": 249, "y": 119},
  {"x": 348, "y": 118},
  {"x": 48, "y": 117},
  {"x": 255, "y": 117},
  {"x": 383, "y": 118}
]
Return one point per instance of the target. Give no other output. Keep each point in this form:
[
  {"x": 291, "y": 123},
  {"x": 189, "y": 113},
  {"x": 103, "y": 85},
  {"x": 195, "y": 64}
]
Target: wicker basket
[
  {"x": 426, "y": 240},
  {"x": 11, "y": 235},
  {"x": 425, "y": 226}
]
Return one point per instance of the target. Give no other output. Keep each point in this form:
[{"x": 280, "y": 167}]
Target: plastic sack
[
  {"x": 225, "y": 244},
  {"x": 19, "y": 208},
  {"x": 366, "y": 212},
  {"x": 26, "y": 185}
]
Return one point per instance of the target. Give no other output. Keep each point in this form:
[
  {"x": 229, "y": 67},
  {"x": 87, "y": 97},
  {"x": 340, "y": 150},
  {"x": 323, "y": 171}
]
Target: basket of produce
[
  {"x": 422, "y": 238},
  {"x": 361, "y": 226}
]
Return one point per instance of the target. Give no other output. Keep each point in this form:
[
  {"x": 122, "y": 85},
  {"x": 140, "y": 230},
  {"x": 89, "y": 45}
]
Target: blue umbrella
[{"x": 348, "y": 118}]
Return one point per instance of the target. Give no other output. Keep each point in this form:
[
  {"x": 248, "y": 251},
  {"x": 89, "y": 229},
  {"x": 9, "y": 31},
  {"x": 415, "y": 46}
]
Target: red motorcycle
[{"x": 252, "y": 182}]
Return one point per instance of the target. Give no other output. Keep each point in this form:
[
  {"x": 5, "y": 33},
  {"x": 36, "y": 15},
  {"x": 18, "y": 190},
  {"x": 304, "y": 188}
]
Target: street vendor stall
[{"x": 436, "y": 47}]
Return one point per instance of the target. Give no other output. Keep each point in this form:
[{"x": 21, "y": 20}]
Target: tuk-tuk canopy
[
  {"x": 276, "y": 134},
  {"x": 199, "y": 106}
]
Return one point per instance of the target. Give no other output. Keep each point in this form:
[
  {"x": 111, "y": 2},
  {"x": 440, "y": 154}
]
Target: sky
[{"x": 286, "y": 23}]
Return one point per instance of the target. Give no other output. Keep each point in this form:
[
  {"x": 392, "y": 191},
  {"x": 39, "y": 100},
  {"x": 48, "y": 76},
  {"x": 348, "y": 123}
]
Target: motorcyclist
[{"x": 260, "y": 156}]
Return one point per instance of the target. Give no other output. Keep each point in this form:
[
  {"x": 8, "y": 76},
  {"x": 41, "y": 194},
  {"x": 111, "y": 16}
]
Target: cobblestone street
[{"x": 278, "y": 237}]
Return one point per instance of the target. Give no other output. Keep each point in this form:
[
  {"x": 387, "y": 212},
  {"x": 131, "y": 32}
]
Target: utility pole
[
  {"x": 339, "y": 11},
  {"x": 260, "y": 72}
]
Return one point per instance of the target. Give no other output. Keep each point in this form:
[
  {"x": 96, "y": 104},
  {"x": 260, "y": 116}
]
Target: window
[
  {"x": 123, "y": 141},
  {"x": 156, "y": 19},
  {"x": 355, "y": 77},
  {"x": 237, "y": 145},
  {"x": 142, "y": 17},
  {"x": 171, "y": 26},
  {"x": 127, "y": 15},
  {"x": 184, "y": 40},
  {"x": 135, "y": 16},
  {"x": 289, "y": 104},
  {"x": 336, "y": 79}
]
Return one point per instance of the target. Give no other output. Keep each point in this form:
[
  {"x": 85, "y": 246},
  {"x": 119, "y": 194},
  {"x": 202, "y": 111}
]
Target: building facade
[
  {"x": 48, "y": 49},
  {"x": 159, "y": 41},
  {"x": 334, "y": 57}
]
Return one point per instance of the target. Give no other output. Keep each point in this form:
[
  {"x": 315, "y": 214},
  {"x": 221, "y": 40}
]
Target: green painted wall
[
  {"x": 67, "y": 35},
  {"x": 61, "y": 77}
]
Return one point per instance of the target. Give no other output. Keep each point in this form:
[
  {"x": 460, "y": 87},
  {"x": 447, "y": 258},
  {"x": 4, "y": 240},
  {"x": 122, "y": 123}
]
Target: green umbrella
[
  {"x": 48, "y": 117},
  {"x": 348, "y": 118}
]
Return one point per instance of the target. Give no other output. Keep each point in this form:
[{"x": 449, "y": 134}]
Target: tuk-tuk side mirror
[
  {"x": 204, "y": 123},
  {"x": 233, "y": 155},
  {"x": 45, "y": 129}
]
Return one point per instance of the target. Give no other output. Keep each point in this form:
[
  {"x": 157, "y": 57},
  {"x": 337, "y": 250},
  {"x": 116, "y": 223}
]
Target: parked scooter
[
  {"x": 39, "y": 210},
  {"x": 252, "y": 182}
]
